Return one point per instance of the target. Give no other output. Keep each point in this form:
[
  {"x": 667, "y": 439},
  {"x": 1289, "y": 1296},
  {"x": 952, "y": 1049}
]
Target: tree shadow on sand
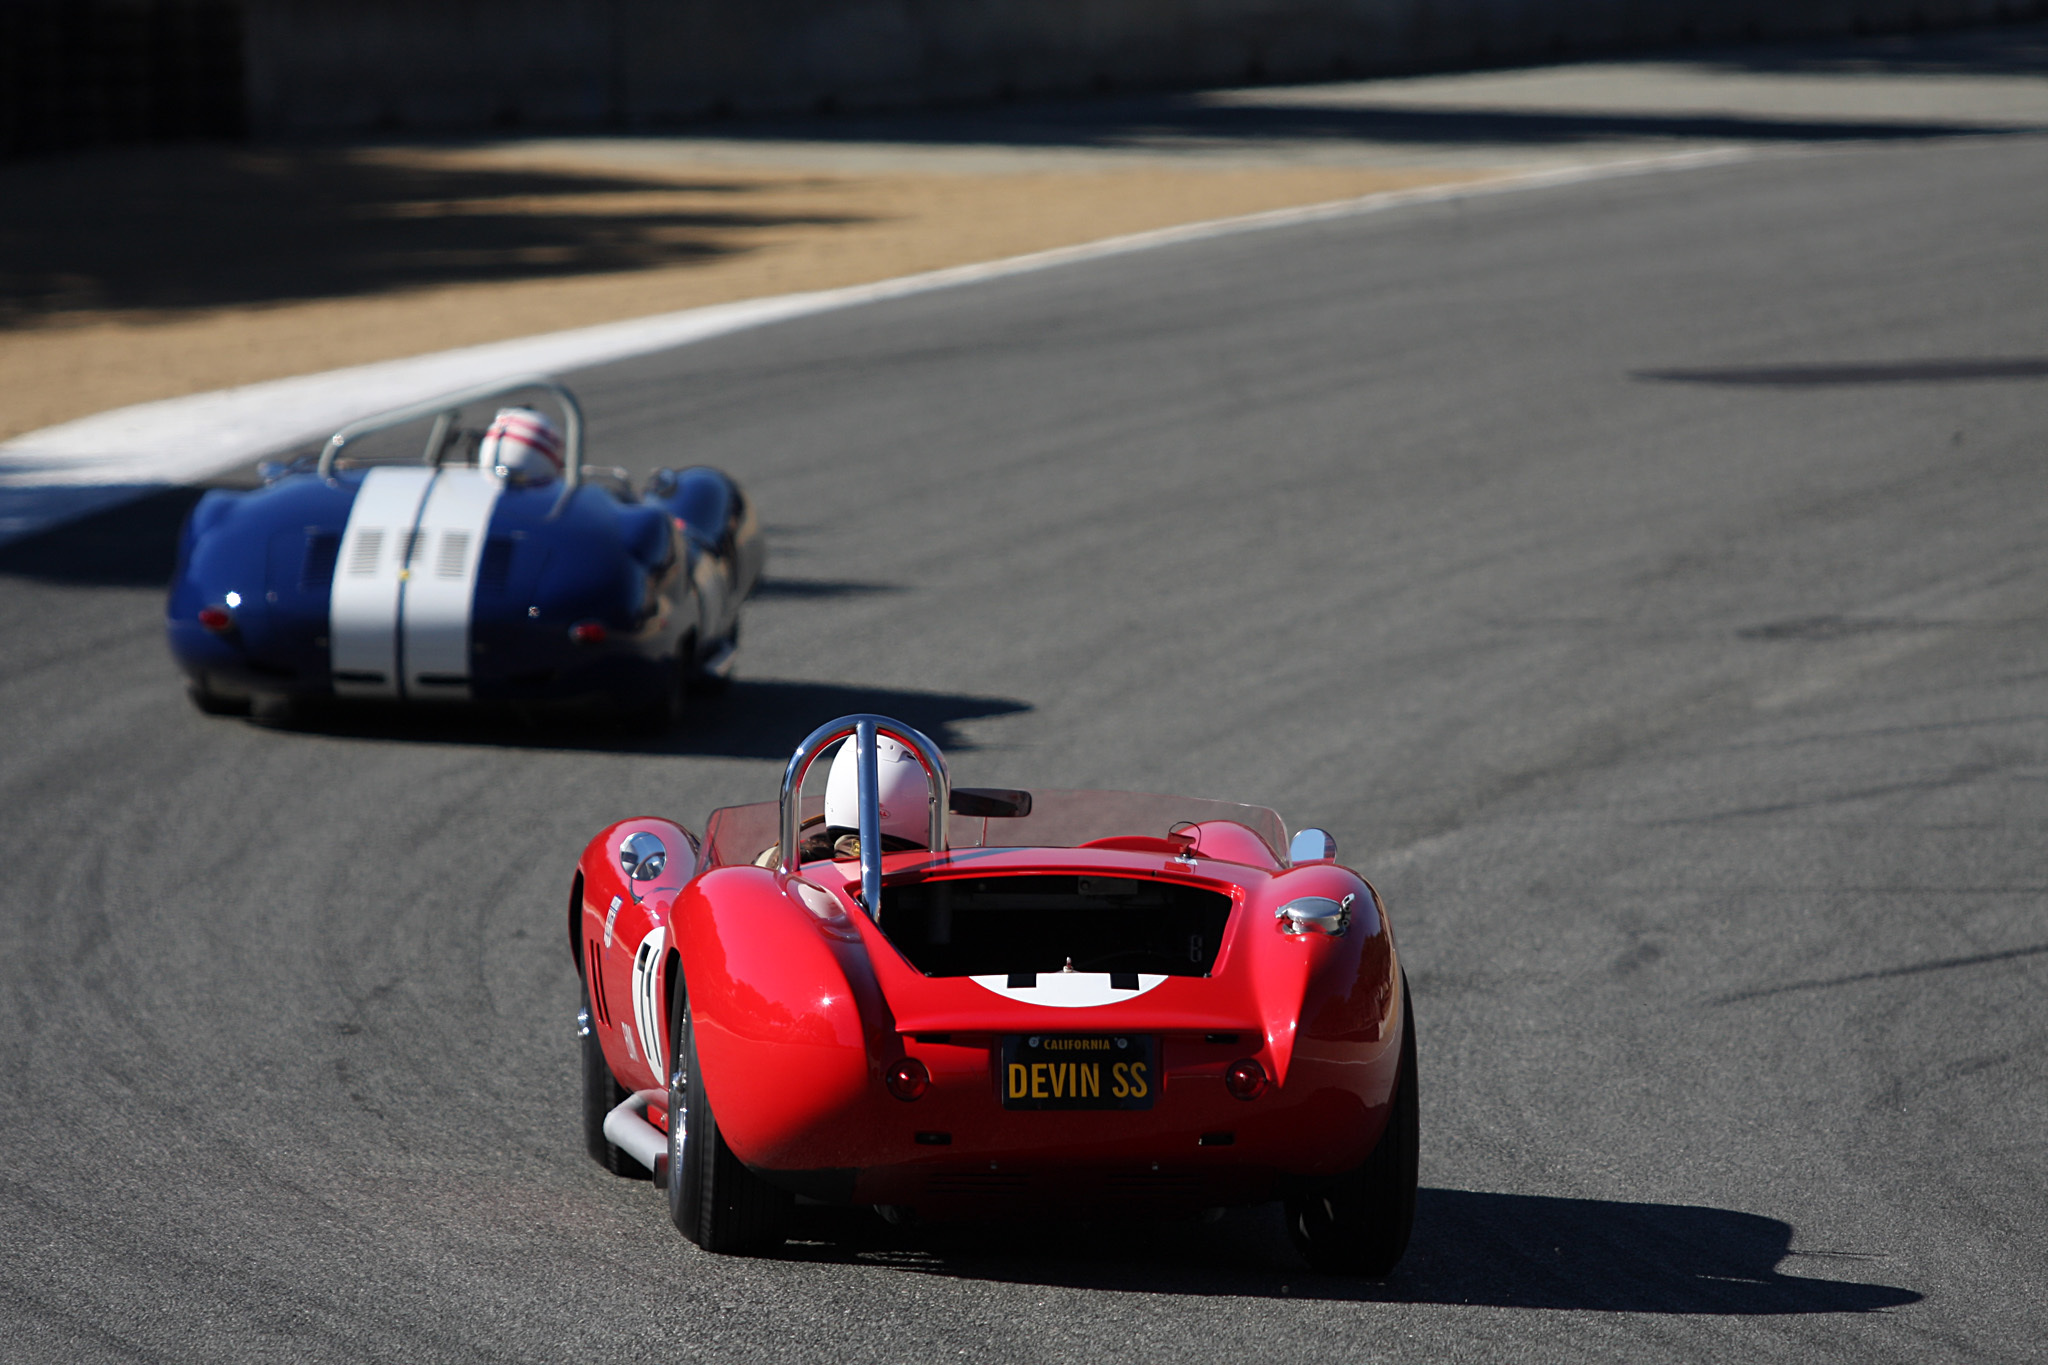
[
  {"x": 171, "y": 229},
  {"x": 1470, "y": 1247}
]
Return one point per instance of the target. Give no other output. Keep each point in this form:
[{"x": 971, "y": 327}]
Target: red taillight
[
  {"x": 908, "y": 1079},
  {"x": 587, "y": 632},
  {"x": 216, "y": 619},
  {"x": 1245, "y": 1079}
]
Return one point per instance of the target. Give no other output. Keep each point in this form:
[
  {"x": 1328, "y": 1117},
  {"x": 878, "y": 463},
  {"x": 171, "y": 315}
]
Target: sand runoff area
[{"x": 149, "y": 273}]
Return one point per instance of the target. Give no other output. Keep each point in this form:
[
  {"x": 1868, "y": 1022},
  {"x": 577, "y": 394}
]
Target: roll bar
[
  {"x": 865, "y": 729},
  {"x": 444, "y": 409}
]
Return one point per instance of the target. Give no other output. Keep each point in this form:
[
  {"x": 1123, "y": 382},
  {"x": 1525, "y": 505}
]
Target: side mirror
[
  {"x": 642, "y": 856},
  {"x": 1311, "y": 845}
]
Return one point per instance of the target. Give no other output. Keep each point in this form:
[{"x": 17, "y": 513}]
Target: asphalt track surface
[{"x": 1645, "y": 580}]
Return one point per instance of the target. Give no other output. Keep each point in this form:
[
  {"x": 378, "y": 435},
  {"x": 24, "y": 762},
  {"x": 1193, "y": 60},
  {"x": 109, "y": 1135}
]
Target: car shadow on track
[
  {"x": 133, "y": 544},
  {"x": 1836, "y": 374},
  {"x": 1470, "y": 1247},
  {"x": 753, "y": 718},
  {"x": 780, "y": 588}
]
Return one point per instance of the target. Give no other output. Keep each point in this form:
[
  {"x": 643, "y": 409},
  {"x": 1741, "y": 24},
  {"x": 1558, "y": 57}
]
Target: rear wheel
[
  {"x": 715, "y": 1201},
  {"x": 1358, "y": 1223},
  {"x": 601, "y": 1094}
]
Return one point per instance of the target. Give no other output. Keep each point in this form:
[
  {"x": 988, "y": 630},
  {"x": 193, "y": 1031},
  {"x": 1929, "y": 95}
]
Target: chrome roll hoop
[
  {"x": 865, "y": 729},
  {"x": 444, "y": 410}
]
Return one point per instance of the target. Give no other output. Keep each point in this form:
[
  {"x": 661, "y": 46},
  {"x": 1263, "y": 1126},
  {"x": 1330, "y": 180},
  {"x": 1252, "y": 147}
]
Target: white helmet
[
  {"x": 521, "y": 447},
  {"x": 899, "y": 782}
]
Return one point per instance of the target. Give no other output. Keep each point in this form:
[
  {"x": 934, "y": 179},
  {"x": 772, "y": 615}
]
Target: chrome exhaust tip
[{"x": 627, "y": 1130}]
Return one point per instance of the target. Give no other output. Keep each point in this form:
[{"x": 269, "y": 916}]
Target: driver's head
[
  {"x": 899, "y": 782},
  {"x": 521, "y": 447}
]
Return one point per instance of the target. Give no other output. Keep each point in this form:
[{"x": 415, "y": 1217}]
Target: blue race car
[{"x": 495, "y": 567}]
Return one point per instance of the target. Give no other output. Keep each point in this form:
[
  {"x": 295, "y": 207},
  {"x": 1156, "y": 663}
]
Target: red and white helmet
[
  {"x": 899, "y": 781},
  {"x": 522, "y": 446}
]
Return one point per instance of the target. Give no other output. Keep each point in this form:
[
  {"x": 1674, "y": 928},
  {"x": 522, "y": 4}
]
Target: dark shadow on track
[
  {"x": 768, "y": 718},
  {"x": 754, "y": 718},
  {"x": 1823, "y": 375},
  {"x": 1835, "y": 627},
  {"x": 1940, "y": 964},
  {"x": 1470, "y": 1248},
  {"x": 134, "y": 545},
  {"x": 816, "y": 589}
]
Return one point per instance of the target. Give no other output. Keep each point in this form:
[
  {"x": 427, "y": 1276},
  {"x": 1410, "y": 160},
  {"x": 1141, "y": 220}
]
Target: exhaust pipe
[{"x": 632, "y": 1134}]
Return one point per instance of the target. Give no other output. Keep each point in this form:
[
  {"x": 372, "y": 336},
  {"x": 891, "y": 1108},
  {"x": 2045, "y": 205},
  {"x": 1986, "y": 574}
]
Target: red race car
[{"x": 978, "y": 1002}]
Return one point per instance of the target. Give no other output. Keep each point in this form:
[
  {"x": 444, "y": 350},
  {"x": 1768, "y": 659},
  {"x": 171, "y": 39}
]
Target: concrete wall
[{"x": 453, "y": 64}]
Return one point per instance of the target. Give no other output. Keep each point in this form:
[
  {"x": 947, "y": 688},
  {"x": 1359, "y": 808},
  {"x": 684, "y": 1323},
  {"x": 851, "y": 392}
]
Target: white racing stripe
[
  {"x": 647, "y": 1001},
  {"x": 404, "y": 590},
  {"x": 362, "y": 609},
  {"x": 440, "y": 592},
  {"x": 1068, "y": 990}
]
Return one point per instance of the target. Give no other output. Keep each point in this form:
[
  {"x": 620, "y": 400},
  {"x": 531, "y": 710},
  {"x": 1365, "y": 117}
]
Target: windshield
[{"x": 1058, "y": 819}]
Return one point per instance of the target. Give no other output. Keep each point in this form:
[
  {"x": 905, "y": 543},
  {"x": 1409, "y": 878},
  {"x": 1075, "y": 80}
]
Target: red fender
[
  {"x": 784, "y": 1006},
  {"x": 622, "y": 945},
  {"x": 1331, "y": 1006}
]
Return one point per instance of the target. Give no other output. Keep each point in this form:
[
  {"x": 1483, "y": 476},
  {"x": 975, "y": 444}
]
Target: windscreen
[
  {"x": 1058, "y": 819},
  {"x": 1066, "y": 819}
]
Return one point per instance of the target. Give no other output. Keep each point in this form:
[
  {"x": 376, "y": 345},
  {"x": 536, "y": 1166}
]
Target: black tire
[
  {"x": 213, "y": 703},
  {"x": 601, "y": 1094},
  {"x": 715, "y": 1201},
  {"x": 682, "y": 1212},
  {"x": 1358, "y": 1223}
]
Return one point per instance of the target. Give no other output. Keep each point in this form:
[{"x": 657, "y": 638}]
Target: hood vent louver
[
  {"x": 364, "y": 551},
  {"x": 454, "y": 555}
]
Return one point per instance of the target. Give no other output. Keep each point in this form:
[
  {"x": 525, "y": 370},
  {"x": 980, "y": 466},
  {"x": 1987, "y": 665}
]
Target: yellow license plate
[{"x": 1079, "y": 1071}]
